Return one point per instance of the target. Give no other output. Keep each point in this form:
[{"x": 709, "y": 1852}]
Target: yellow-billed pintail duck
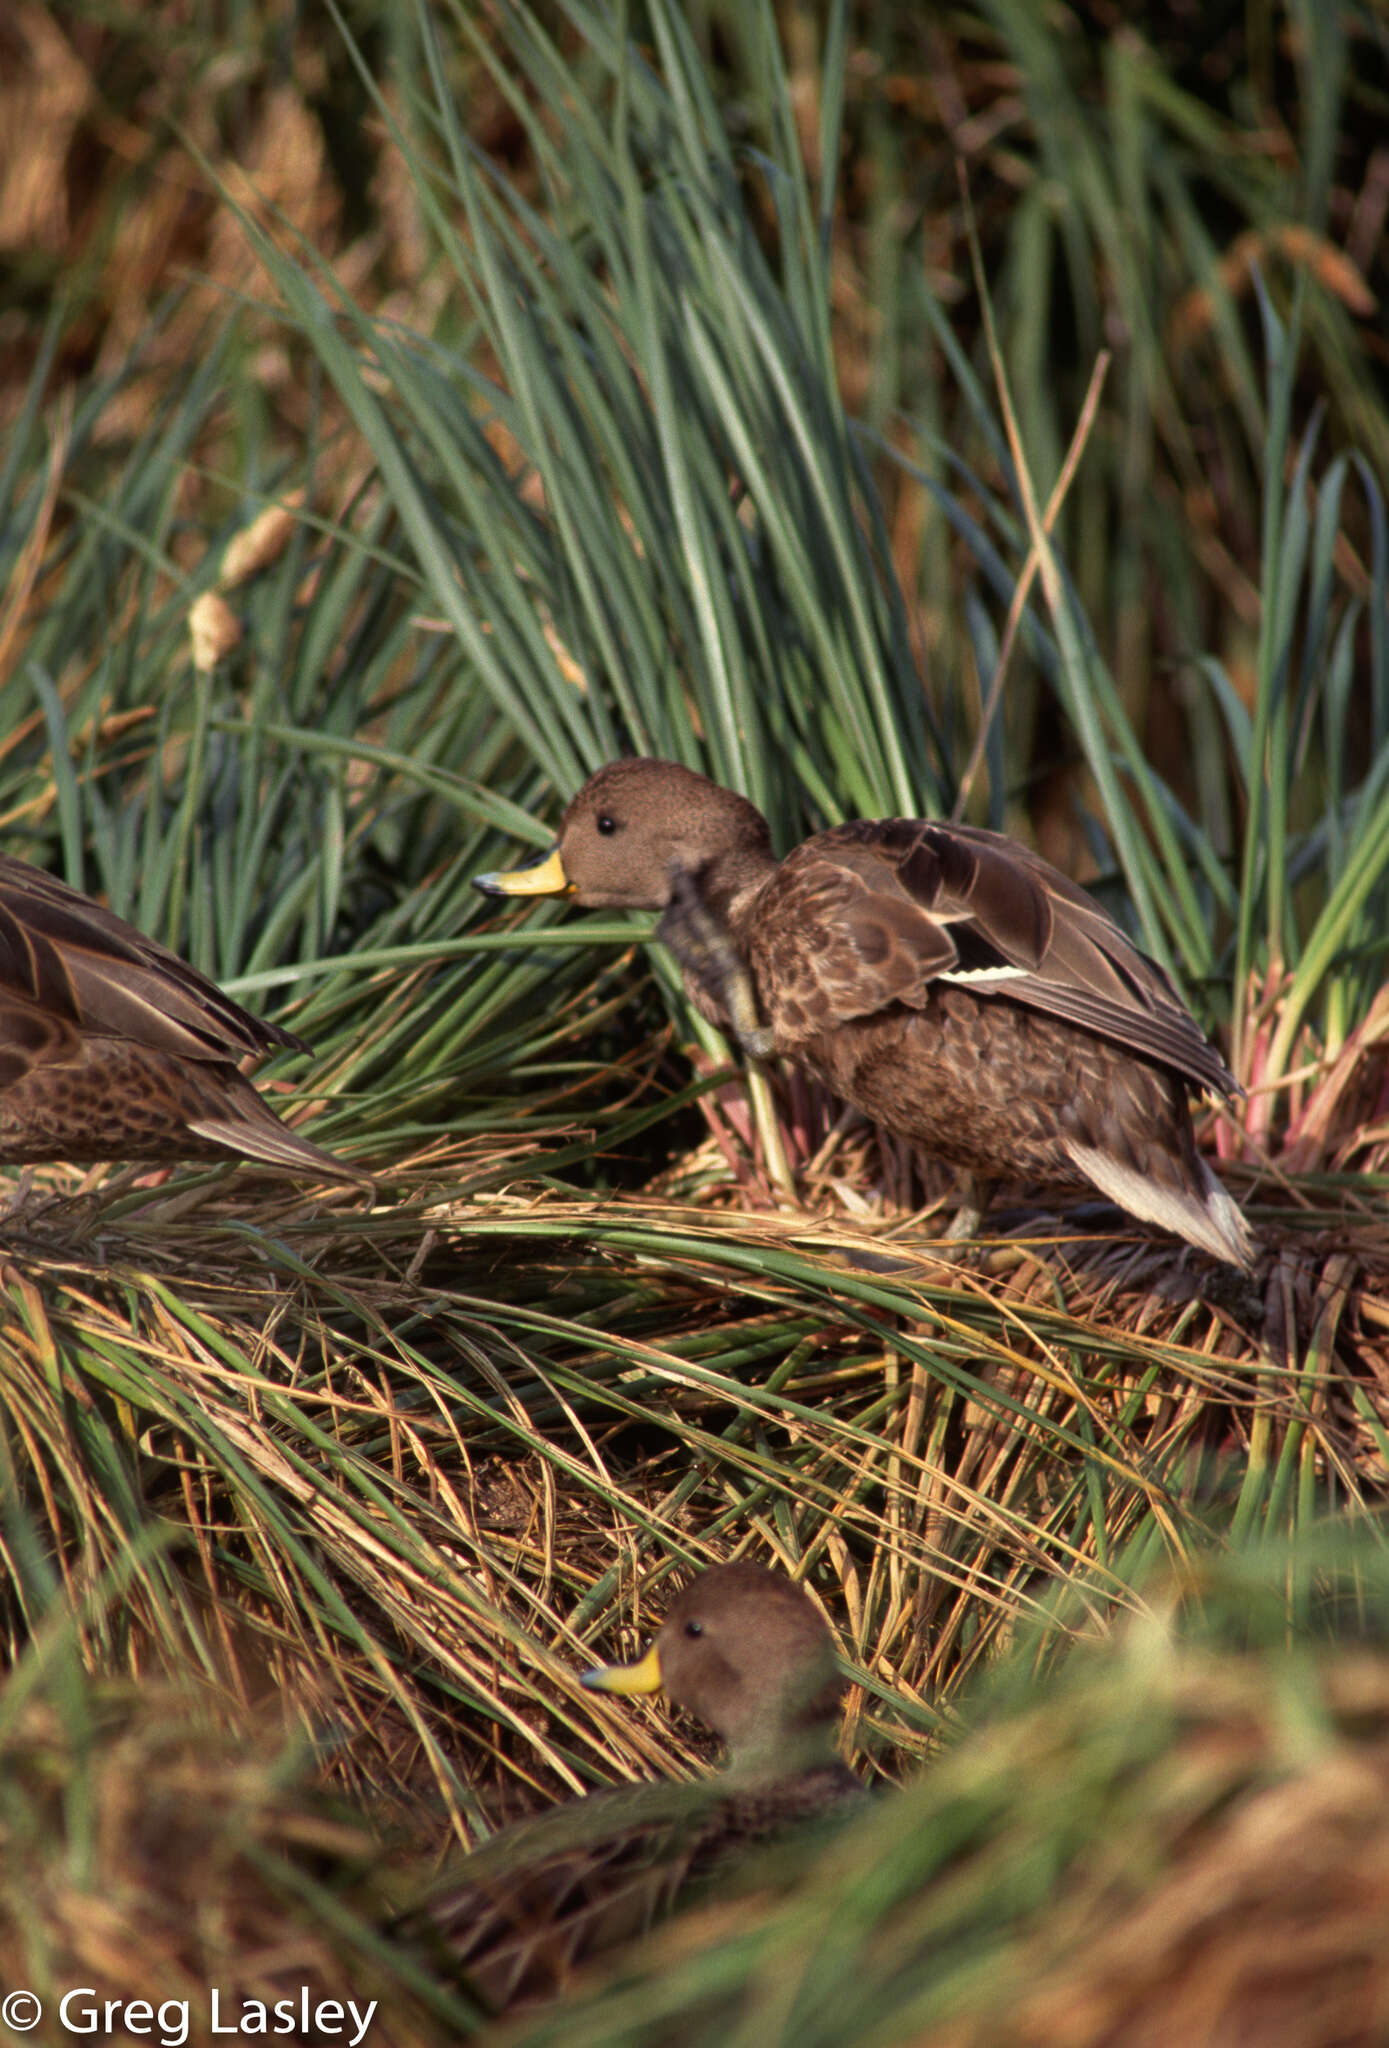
[
  {"x": 946, "y": 981},
  {"x": 111, "y": 1047},
  {"x": 747, "y": 1652}
]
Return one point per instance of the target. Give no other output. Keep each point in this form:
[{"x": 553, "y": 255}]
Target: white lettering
[
  {"x": 80, "y": 2013},
  {"x": 168, "y": 2038},
  {"x": 73, "y": 2016}
]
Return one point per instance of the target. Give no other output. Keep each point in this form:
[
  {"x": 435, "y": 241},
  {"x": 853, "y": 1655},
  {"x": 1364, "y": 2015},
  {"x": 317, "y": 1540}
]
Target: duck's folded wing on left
[
  {"x": 547, "y": 1895},
  {"x": 78, "y": 963}
]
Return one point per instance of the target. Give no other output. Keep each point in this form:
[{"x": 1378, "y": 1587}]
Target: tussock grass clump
[
  {"x": 442, "y": 1449},
  {"x": 1177, "y": 1842},
  {"x": 152, "y": 1855}
]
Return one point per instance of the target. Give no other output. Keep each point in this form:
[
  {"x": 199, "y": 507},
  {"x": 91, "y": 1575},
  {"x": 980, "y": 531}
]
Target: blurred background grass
[{"x": 630, "y": 386}]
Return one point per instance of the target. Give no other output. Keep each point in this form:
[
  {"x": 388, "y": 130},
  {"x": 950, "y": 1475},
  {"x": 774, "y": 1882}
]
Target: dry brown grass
[{"x": 414, "y": 1404}]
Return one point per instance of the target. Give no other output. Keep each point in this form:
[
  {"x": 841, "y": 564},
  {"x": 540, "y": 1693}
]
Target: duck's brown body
[
  {"x": 561, "y": 1891},
  {"x": 999, "y": 1091},
  {"x": 944, "y": 980},
  {"x": 1038, "y": 1066},
  {"x": 111, "y": 1047}
]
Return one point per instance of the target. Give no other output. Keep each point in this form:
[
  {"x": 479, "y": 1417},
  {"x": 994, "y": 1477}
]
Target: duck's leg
[
  {"x": 975, "y": 1195},
  {"x": 19, "y": 1200}
]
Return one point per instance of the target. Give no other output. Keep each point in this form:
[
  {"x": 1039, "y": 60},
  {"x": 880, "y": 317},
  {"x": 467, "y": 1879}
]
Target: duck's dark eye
[
  {"x": 607, "y": 826},
  {"x": 694, "y": 1628}
]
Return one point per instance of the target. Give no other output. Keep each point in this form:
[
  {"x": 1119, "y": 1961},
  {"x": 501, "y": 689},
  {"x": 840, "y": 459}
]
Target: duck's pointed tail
[
  {"x": 1204, "y": 1214},
  {"x": 240, "y": 1119}
]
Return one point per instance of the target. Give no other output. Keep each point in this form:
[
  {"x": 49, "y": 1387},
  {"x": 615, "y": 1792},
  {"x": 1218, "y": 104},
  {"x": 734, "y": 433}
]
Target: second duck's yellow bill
[
  {"x": 543, "y": 876},
  {"x": 644, "y": 1677}
]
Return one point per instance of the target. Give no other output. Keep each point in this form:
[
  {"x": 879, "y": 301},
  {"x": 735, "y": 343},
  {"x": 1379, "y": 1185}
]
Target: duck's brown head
[
  {"x": 748, "y": 1652},
  {"x": 635, "y": 828}
]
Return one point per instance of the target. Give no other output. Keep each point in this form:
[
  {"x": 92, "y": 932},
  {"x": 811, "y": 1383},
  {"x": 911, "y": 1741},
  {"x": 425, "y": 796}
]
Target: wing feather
[
  {"x": 84, "y": 964},
  {"x": 871, "y": 914},
  {"x": 548, "y": 1895}
]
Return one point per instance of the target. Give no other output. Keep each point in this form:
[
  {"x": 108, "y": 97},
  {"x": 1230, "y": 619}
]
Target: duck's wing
[
  {"x": 87, "y": 969},
  {"x": 873, "y": 913},
  {"x": 542, "y": 1899}
]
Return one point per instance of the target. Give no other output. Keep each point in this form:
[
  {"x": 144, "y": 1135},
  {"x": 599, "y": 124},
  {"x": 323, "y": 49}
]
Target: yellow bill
[
  {"x": 543, "y": 876},
  {"x": 627, "y": 1678}
]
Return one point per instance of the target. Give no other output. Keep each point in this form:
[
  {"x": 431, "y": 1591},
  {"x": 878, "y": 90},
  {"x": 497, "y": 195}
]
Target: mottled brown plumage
[
  {"x": 945, "y": 980},
  {"x": 113, "y": 1048},
  {"x": 745, "y": 1650}
]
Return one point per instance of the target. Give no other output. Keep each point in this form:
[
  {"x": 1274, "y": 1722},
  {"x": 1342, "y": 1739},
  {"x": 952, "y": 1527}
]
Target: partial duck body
[{"x": 111, "y": 1047}]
